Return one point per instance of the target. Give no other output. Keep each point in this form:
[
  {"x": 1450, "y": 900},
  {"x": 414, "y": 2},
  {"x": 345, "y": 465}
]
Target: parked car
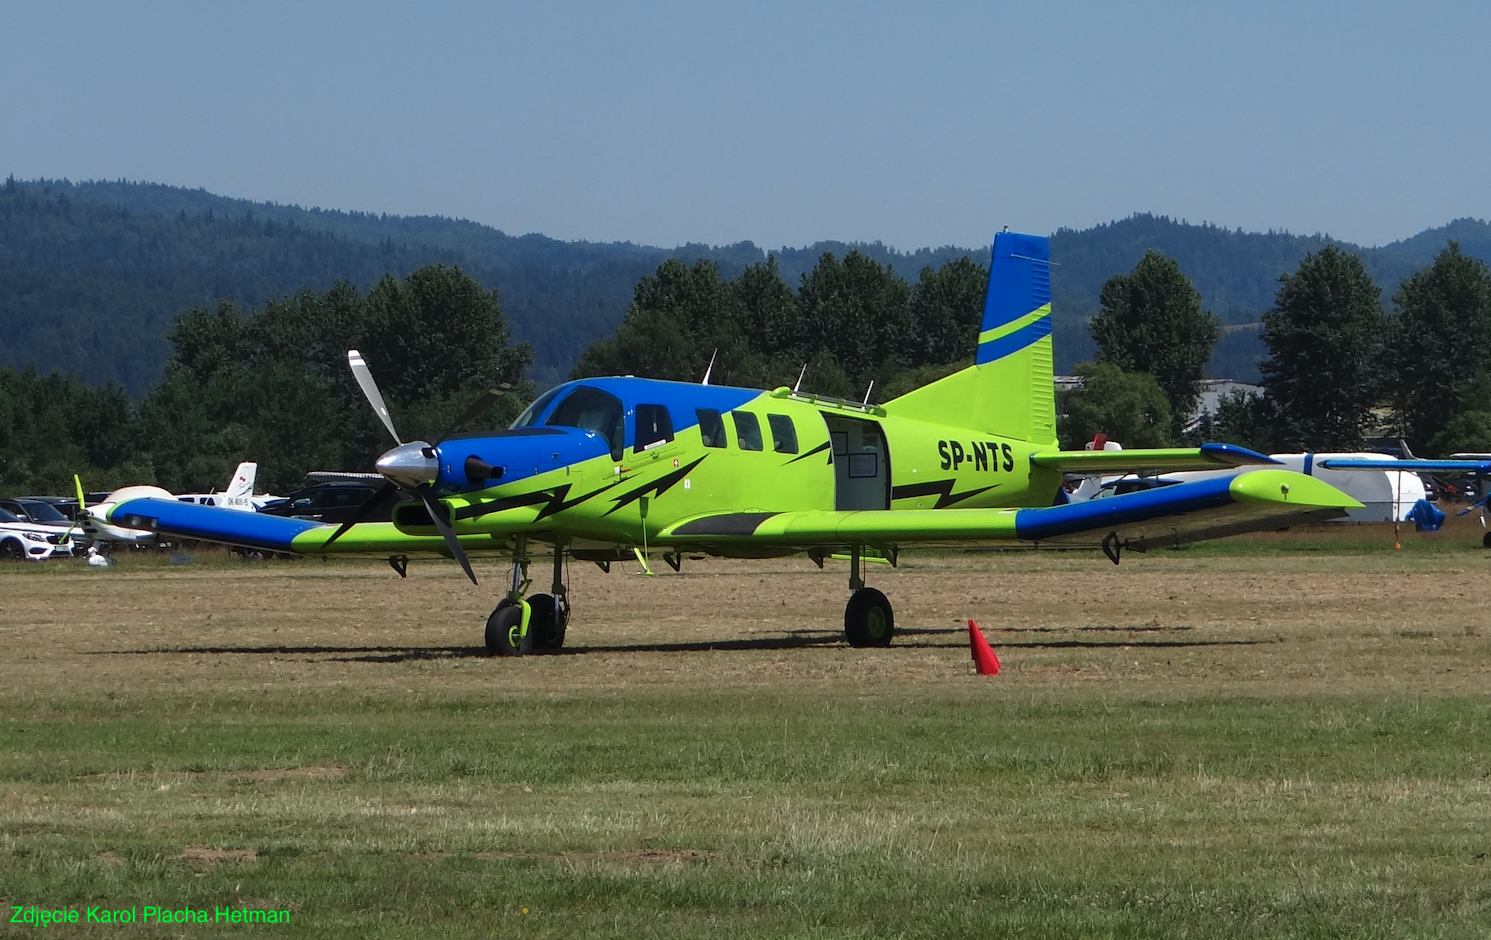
[
  {"x": 330, "y": 502},
  {"x": 46, "y": 511},
  {"x": 22, "y": 540},
  {"x": 67, "y": 505}
]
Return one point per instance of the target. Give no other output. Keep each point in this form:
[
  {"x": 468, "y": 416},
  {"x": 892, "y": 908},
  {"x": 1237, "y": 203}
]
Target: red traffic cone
[{"x": 983, "y": 654}]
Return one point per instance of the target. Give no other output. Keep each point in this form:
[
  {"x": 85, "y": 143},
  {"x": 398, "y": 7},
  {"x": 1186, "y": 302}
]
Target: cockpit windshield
[
  {"x": 530, "y": 415},
  {"x": 593, "y": 410}
]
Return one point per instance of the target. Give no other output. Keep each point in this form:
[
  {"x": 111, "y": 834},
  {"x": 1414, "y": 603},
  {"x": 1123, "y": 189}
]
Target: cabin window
[
  {"x": 654, "y": 427},
  {"x": 747, "y": 430},
  {"x": 783, "y": 434},
  {"x": 711, "y": 427},
  {"x": 591, "y": 409}
]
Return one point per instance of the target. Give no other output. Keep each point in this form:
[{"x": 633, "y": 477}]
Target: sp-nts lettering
[{"x": 983, "y": 456}]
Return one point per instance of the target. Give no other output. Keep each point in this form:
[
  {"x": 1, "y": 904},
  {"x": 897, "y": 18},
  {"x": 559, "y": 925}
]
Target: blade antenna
[
  {"x": 866, "y": 402},
  {"x": 370, "y": 391},
  {"x": 710, "y": 369},
  {"x": 799, "y": 378}
]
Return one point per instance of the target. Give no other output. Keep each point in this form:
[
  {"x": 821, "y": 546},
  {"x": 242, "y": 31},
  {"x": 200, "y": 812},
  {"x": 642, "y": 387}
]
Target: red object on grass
[{"x": 984, "y": 657}]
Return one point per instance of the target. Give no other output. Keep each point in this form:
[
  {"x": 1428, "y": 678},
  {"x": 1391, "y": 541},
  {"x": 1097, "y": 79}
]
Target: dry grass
[
  {"x": 1262, "y": 625},
  {"x": 1185, "y": 745}
]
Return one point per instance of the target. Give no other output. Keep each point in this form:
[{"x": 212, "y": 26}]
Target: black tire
[
  {"x": 12, "y": 550},
  {"x": 502, "y": 631},
  {"x": 1486, "y": 540},
  {"x": 544, "y": 628},
  {"x": 868, "y": 619}
]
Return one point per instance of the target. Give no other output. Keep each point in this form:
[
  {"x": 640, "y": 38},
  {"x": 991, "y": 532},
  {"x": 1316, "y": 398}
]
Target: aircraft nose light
[{"x": 410, "y": 464}]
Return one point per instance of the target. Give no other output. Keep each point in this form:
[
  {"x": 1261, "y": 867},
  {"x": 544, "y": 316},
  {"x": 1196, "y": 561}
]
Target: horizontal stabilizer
[{"x": 1159, "y": 460}]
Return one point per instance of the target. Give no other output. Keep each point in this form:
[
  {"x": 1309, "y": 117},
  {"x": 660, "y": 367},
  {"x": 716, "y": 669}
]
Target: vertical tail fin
[
  {"x": 1008, "y": 391},
  {"x": 242, "y": 483}
]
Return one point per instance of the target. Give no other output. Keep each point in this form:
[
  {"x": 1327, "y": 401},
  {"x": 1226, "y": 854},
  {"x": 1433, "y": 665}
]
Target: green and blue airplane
[{"x": 609, "y": 469}]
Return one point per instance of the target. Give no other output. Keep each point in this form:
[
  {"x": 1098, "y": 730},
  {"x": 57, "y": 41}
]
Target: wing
[
  {"x": 1161, "y": 460},
  {"x": 280, "y": 534},
  {"x": 1169, "y": 515},
  {"x": 1475, "y": 467}
]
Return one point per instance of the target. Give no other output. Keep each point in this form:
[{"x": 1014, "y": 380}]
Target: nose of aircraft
[{"x": 410, "y": 464}]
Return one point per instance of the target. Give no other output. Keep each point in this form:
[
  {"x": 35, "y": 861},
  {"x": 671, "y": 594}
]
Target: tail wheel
[
  {"x": 547, "y": 622},
  {"x": 868, "y": 620},
  {"x": 505, "y": 635}
]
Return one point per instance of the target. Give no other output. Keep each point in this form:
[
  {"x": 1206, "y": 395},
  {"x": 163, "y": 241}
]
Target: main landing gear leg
[
  {"x": 508, "y": 628},
  {"x": 550, "y": 614},
  {"x": 868, "y": 620}
]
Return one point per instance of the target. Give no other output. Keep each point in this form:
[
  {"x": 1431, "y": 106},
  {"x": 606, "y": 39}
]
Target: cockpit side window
[
  {"x": 530, "y": 415},
  {"x": 591, "y": 409},
  {"x": 654, "y": 427}
]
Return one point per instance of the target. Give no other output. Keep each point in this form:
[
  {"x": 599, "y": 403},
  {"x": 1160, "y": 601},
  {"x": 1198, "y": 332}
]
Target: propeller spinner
[{"x": 411, "y": 466}]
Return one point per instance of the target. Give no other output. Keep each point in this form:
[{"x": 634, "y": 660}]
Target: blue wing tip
[{"x": 1235, "y": 455}]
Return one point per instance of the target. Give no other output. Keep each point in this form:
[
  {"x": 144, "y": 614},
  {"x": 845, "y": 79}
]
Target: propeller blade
[
  {"x": 437, "y": 514},
  {"x": 379, "y": 497},
  {"x": 482, "y": 403},
  {"x": 82, "y": 512},
  {"x": 370, "y": 391}
]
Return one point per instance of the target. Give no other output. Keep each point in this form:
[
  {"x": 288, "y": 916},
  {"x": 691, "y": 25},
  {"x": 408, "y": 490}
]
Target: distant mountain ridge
[{"x": 92, "y": 274}]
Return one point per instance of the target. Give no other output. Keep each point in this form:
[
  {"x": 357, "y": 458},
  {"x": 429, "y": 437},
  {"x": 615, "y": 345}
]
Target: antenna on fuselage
[
  {"x": 799, "y": 378},
  {"x": 711, "y": 366},
  {"x": 868, "y": 391}
]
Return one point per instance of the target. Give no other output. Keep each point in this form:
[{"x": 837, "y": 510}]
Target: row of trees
[
  {"x": 272, "y": 386},
  {"x": 1339, "y": 367},
  {"x": 850, "y": 321}
]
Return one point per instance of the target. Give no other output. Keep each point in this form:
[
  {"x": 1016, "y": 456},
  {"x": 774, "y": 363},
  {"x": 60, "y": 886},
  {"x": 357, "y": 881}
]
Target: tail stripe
[{"x": 1013, "y": 337}]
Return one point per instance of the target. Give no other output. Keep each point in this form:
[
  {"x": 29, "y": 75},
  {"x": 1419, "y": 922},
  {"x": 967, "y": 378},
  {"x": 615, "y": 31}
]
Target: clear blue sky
[{"x": 784, "y": 123}]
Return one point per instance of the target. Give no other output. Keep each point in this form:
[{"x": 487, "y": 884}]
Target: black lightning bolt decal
[
  {"x": 657, "y": 487},
  {"x": 942, "y": 489},
  {"x": 553, "y": 501},
  {"x": 816, "y": 450}
]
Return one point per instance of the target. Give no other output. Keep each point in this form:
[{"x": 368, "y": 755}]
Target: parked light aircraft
[
  {"x": 613, "y": 468},
  {"x": 238, "y": 495}
]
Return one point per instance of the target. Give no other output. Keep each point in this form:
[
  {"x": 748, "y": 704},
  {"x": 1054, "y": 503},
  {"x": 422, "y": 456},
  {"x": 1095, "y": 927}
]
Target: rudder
[{"x": 1008, "y": 391}]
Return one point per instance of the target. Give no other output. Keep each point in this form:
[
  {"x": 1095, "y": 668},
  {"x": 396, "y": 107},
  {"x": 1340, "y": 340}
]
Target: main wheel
[
  {"x": 868, "y": 620},
  {"x": 505, "y": 631},
  {"x": 547, "y": 621}
]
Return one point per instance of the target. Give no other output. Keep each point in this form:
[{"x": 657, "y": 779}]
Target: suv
[
  {"x": 330, "y": 502},
  {"x": 24, "y": 540}
]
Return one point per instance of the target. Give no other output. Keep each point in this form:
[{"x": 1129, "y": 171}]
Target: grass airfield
[{"x": 1253, "y": 739}]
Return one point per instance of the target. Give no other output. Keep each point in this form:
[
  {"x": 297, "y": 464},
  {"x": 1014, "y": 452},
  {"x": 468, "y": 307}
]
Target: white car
[{"x": 20, "y": 539}]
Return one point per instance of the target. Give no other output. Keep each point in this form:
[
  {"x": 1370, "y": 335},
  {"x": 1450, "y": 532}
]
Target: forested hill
[
  {"x": 1236, "y": 272},
  {"x": 93, "y": 274}
]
